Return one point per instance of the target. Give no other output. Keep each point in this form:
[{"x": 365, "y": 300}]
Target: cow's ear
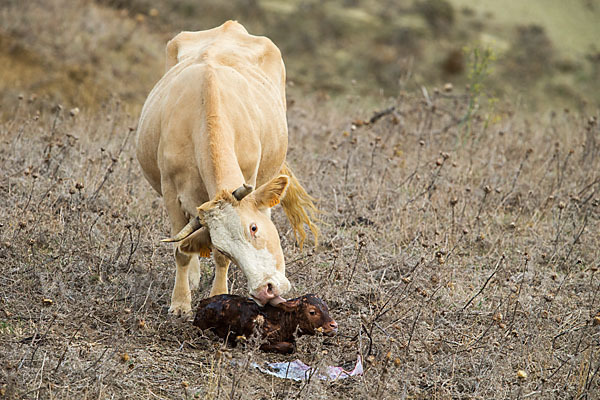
[
  {"x": 197, "y": 243},
  {"x": 271, "y": 193}
]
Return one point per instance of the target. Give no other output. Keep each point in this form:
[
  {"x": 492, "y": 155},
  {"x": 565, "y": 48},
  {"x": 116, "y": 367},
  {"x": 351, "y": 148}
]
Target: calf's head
[
  {"x": 238, "y": 225},
  {"x": 312, "y": 315}
]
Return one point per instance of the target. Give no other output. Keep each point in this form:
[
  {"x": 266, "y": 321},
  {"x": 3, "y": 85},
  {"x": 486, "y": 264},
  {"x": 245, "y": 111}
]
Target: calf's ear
[
  {"x": 197, "y": 243},
  {"x": 271, "y": 193},
  {"x": 290, "y": 305}
]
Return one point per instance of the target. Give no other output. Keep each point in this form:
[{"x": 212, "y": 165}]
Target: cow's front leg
[
  {"x": 181, "y": 298},
  {"x": 219, "y": 285},
  {"x": 194, "y": 272}
]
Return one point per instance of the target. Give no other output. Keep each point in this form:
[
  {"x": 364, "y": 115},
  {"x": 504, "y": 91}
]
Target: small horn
[
  {"x": 242, "y": 192},
  {"x": 187, "y": 230}
]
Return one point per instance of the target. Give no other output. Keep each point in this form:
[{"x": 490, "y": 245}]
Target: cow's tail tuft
[{"x": 299, "y": 208}]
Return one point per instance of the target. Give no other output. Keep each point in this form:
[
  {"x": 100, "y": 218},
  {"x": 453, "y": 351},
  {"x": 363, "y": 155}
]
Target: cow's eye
[
  {"x": 253, "y": 228},
  {"x": 312, "y": 312}
]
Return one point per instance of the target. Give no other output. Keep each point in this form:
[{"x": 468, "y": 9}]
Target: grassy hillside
[
  {"x": 571, "y": 25},
  {"x": 84, "y": 52},
  {"x": 76, "y": 53}
]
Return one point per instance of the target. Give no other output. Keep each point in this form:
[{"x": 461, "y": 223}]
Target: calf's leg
[{"x": 281, "y": 347}]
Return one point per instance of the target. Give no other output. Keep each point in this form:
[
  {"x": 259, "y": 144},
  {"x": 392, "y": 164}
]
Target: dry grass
[
  {"x": 77, "y": 53},
  {"x": 451, "y": 261}
]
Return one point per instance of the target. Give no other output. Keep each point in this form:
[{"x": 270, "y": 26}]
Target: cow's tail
[{"x": 300, "y": 208}]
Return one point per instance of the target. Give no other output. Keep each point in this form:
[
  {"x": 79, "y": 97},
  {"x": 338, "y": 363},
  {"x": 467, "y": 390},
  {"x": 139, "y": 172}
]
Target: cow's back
[
  {"x": 229, "y": 45},
  {"x": 244, "y": 77}
]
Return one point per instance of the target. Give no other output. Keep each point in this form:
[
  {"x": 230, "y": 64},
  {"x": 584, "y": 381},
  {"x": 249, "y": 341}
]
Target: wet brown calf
[{"x": 230, "y": 316}]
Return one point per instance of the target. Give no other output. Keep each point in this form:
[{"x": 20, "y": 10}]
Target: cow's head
[{"x": 238, "y": 225}]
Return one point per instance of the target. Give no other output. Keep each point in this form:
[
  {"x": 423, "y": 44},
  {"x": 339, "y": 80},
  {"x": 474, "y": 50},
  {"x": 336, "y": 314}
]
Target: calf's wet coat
[{"x": 230, "y": 317}]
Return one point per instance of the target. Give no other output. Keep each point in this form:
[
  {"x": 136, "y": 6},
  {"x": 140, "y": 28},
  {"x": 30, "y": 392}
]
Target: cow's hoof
[{"x": 180, "y": 310}]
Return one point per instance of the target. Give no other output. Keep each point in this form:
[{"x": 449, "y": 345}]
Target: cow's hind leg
[{"x": 219, "y": 285}]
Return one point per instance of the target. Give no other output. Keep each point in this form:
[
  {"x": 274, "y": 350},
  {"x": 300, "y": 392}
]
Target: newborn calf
[{"x": 230, "y": 316}]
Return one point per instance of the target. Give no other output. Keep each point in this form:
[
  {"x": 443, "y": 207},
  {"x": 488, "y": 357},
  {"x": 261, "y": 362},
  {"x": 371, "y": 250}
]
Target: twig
[
  {"x": 133, "y": 246},
  {"x": 376, "y": 202},
  {"x": 412, "y": 329},
  {"x": 98, "y": 359},
  {"x": 512, "y": 321},
  {"x": 575, "y": 240},
  {"x": 30, "y": 195},
  {"x": 110, "y": 169},
  {"x": 44, "y": 335},
  {"x": 147, "y": 295},
  {"x": 378, "y": 115},
  {"x": 62, "y": 357},
  {"x": 486, "y": 282},
  {"x": 561, "y": 174},
  {"x": 514, "y": 182},
  {"x": 370, "y": 338},
  {"x": 428, "y": 190},
  {"x": 360, "y": 246}
]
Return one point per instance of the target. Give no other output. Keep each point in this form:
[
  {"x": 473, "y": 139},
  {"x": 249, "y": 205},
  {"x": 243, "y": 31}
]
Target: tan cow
[{"x": 213, "y": 128}]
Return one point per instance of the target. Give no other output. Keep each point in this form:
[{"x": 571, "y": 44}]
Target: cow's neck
[
  {"x": 221, "y": 163},
  {"x": 223, "y": 170}
]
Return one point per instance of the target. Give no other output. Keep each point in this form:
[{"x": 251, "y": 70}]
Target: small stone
[{"x": 521, "y": 374}]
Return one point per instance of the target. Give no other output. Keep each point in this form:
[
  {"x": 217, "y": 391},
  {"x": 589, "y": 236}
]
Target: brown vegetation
[
  {"x": 460, "y": 263},
  {"x": 83, "y": 52}
]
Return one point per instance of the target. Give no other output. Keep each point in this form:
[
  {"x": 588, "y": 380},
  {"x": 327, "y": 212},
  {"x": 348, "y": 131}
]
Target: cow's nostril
[
  {"x": 269, "y": 288},
  {"x": 334, "y": 325}
]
